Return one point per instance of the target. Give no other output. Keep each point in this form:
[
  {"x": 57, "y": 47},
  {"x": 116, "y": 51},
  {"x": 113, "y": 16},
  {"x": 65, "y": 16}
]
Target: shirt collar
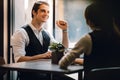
[{"x": 33, "y": 28}]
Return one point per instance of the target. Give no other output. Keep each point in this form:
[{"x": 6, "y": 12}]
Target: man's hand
[
  {"x": 62, "y": 24},
  {"x": 47, "y": 55}
]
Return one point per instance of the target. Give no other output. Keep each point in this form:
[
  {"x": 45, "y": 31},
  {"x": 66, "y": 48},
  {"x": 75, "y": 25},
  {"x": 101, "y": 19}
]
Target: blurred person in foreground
[{"x": 101, "y": 46}]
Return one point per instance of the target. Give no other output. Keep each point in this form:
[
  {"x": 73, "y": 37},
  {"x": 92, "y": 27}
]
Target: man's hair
[{"x": 37, "y": 5}]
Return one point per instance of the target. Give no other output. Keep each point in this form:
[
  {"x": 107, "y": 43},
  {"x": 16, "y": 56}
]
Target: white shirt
[{"x": 20, "y": 40}]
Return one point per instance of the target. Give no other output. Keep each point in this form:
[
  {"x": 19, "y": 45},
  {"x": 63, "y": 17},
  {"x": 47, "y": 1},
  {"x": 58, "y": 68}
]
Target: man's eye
[{"x": 42, "y": 10}]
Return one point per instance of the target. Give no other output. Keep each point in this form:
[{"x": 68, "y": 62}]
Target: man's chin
[{"x": 44, "y": 20}]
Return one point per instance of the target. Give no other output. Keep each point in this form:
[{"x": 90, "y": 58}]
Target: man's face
[{"x": 42, "y": 14}]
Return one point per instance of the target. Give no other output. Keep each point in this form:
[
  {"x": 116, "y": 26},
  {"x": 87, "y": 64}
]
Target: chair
[
  {"x": 13, "y": 61},
  {"x": 2, "y": 73},
  {"x": 110, "y": 73}
]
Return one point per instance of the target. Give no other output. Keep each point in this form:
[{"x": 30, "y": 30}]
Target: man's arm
[
  {"x": 63, "y": 25},
  {"x": 46, "y": 55},
  {"x": 65, "y": 39}
]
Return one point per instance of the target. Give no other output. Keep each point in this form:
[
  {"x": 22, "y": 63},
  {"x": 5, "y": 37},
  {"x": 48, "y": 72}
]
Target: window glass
[{"x": 73, "y": 12}]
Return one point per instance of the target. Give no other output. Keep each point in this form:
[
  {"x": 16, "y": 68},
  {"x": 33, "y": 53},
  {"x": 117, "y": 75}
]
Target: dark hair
[
  {"x": 111, "y": 18},
  {"x": 100, "y": 16},
  {"x": 116, "y": 13},
  {"x": 37, "y": 4}
]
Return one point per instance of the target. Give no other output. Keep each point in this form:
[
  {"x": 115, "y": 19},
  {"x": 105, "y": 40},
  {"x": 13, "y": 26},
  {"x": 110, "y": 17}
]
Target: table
[{"x": 43, "y": 66}]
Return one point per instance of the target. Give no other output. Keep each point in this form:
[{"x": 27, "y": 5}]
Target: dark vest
[
  {"x": 105, "y": 51},
  {"x": 34, "y": 47}
]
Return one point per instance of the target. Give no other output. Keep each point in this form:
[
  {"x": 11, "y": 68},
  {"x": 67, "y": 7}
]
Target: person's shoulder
[
  {"x": 46, "y": 31},
  {"x": 20, "y": 32},
  {"x": 18, "y": 35},
  {"x": 85, "y": 38}
]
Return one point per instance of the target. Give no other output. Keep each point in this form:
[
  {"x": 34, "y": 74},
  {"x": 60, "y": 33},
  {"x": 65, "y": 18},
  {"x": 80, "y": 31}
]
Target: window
[{"x": 73, "y": 12}]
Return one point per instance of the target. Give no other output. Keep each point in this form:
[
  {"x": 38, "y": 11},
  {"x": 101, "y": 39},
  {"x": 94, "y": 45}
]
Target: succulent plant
[{"x": 58, "y": 47}]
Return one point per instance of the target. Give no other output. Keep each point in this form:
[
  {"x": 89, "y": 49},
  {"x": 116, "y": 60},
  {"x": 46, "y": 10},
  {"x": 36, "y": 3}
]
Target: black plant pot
[{"x": 56, "y": 56}]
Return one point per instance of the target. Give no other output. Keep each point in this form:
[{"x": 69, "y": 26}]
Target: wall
[{"x": 5, "y": 29}]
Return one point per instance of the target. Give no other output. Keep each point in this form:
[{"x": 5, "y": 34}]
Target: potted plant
[{"x": 57, "y": 52}]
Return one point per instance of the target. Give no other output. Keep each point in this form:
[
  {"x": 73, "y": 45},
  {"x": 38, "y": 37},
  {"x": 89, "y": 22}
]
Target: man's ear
[{"x": 34, "y": 13}]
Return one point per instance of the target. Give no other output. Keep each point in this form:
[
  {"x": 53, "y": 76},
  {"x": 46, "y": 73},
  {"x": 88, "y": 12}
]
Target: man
[{"x": 31, "y": 42}]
